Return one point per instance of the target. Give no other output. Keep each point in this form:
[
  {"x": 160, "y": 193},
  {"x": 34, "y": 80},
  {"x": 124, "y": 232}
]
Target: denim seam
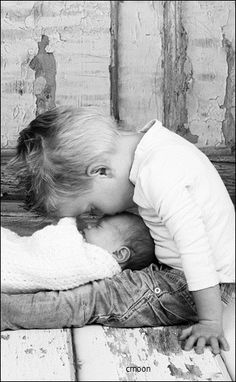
[
  {"x": 145, "y": 297},
  {"x": 126, "y": 314},
  {"x": 185, "y": 294}
]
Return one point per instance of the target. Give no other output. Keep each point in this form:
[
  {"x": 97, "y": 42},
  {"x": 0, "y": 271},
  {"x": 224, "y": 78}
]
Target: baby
[
  {"x": 125, "y": 236},
  {"x": 58, "y": 257}
]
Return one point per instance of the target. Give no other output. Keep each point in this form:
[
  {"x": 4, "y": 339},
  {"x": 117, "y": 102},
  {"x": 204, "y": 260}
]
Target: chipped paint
[
  {"x": 228, "y": 124},
  {"x": 5, "y": 337},
  {"x": 79, "y": 41},
  {"x": 140, "y": 63},
  {"x": 44, "y": 65},
  {"x": 164, "y": 341},
  {"x": 37, "y": 355},
  {"x": 178, "y": 71},
  {"x": 210, "y": 98},
  {"x": 140, "y": 354},
  {"x": 29, "y": 351},
  {"x": 194, "y": 370}
]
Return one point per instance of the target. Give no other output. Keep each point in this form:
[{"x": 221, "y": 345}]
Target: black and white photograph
[{"x": 117, "y": 191}]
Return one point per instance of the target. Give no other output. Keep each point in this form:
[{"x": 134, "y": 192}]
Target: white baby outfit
[
  {"x": 186, "y": 206},
  {"x": 53, "y": 258}
]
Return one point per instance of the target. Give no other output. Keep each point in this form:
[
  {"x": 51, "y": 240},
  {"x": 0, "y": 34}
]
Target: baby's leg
[
  {"x": 229, "y": 330},
  {"x": 150, "y": 297}
]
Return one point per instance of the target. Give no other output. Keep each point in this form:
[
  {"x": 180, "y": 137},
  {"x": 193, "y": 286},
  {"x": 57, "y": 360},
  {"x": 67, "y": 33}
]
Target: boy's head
[
  {"x": 125, "y": 236},
  {"x": 71, "y": 163}
]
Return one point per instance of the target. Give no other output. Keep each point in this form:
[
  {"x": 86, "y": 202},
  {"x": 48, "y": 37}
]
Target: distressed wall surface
[
  {"x": 73, "y": 60},
  {"x": 37, "y": 355},
  {"x": 141, "y": 354},
  {"x": 140, "y": 62},
  {"x": 210, "y": 31},
  {"x": 175, "y": 62}
]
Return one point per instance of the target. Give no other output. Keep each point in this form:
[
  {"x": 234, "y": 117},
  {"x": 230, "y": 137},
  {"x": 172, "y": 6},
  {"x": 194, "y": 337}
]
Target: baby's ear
[
  {"x": 122, "y": 255},
  {"x": 98, "y": 170}
]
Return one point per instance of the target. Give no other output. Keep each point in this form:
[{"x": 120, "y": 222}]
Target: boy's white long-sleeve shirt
[
  {"x": 53, "y": 258},
  {"x": 186, "y": 206}
]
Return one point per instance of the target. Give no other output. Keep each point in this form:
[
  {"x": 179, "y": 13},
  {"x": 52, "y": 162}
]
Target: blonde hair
[{"x": 54, "y": 151}]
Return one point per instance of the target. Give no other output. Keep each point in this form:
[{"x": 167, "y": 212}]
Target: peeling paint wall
[
  {"x": 140, "y": 76},
  {"x": 75, "y": 65},
  {"x": 211, "y": 45},
  {"x": 176, "y": 62}
]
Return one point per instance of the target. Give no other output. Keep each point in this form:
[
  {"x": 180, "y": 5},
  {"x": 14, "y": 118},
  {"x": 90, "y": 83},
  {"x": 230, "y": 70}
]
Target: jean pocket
[
  {"x": 177, "y": 308},
  {"x": 139, "y": 314}
]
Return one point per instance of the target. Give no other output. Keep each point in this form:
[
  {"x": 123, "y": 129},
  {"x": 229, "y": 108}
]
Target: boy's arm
[
  {"x": 208, "y": 331},
  {"x": 174, "y": 202},
  {"x": 186, "y": 225}
]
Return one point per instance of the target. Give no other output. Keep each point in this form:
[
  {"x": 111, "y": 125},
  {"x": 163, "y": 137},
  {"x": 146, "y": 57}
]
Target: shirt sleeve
[{"x": 170, "y": 192}]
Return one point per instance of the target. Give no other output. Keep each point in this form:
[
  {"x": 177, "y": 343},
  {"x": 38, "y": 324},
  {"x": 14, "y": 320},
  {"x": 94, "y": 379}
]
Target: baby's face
[{"x": 105, "y": 234}]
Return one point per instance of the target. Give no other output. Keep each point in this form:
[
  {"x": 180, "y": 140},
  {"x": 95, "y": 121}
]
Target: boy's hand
[{"x": 205, "y": 333}]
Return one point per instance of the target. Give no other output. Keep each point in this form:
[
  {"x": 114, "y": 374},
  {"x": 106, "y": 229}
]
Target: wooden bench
[{"x": 96, "y": 352}]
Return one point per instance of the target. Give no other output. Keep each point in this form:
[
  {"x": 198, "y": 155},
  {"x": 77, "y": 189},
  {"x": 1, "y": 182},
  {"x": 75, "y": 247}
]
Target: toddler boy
[{"x": 78, "y": 161}]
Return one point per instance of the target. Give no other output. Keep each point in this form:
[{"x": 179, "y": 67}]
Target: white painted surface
[
  {"x": 37, "y": 355},
  {"x": 206, "y": 24},
  {"x": 229, "y": 329},
  {"x": 79, "y": 38},
  {"x": 140, "y": 58},
  {"x": 103, "y": 354}
]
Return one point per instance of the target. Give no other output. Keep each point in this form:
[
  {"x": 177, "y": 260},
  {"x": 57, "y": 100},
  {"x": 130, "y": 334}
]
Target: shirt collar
[
  {"x": 148, "y": 126},
  {"x": 141, "y": 149}
]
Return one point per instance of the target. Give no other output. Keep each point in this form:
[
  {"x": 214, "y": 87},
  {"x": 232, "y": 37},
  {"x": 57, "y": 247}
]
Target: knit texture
[{"x": 53, "y": 258}]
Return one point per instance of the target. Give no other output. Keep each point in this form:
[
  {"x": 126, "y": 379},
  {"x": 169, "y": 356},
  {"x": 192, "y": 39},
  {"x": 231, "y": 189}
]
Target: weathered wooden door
[{"x": 171, "y": 60}]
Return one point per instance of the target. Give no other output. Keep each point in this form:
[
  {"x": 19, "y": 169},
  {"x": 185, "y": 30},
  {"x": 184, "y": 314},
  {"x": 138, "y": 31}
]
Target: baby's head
[
  {"x": 125, "y": 236},
  {"x": 67, "y": 160}
]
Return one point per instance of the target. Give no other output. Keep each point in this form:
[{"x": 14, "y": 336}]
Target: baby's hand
[{"x": 204, "y": 333}]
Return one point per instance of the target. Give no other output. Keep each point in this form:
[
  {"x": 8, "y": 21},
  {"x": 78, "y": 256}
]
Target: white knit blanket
[{"x": 53, "y": 258}]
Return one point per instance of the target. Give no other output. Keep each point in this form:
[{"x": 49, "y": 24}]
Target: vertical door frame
[
  {"x": 176, "y": 80},
  {"x": 174, "y": 46},
  {"x": 114, "y": 64}
]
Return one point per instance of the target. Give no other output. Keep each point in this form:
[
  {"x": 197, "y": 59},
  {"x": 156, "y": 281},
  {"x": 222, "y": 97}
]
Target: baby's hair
[
  {"x": 136, "y": 236},
  {"x": 56, "y": 148}
]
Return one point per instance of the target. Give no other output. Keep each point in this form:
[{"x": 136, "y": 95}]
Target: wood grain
[
  {"x": 140, "y": 76},
  {"x": 37, "y": 355},
  {"x": 114, "y": 65},
  {"x": 141, "y": 354},
  {"x": 225, "y": 165}
]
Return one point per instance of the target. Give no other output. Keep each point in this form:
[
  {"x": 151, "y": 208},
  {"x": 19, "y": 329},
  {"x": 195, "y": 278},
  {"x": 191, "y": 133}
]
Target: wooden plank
[
  {"x": 142, "y": 354},
  {"x": 175, "y": 77},
  {"x": 114, "y": 105},
  {"x": 140, "y": 76},
  {"x": 225, "y": 165},
  {"x": 37, "y": 355},
  {"x": 9, "y": 182},
  {"x": 81, "y": 50},
  {"x": 210, "y": 57},
  {"x": 16, "y": 218}
]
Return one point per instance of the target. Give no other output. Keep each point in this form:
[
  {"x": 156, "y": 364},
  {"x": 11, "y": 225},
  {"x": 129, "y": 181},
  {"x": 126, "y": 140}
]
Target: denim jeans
[{"x": 154, "y": 296}]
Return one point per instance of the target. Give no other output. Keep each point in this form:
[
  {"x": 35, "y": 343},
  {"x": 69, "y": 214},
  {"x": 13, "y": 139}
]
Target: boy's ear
[
  {"x": 122, "y": 255},
  {"x": 98, "y": 170}
]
